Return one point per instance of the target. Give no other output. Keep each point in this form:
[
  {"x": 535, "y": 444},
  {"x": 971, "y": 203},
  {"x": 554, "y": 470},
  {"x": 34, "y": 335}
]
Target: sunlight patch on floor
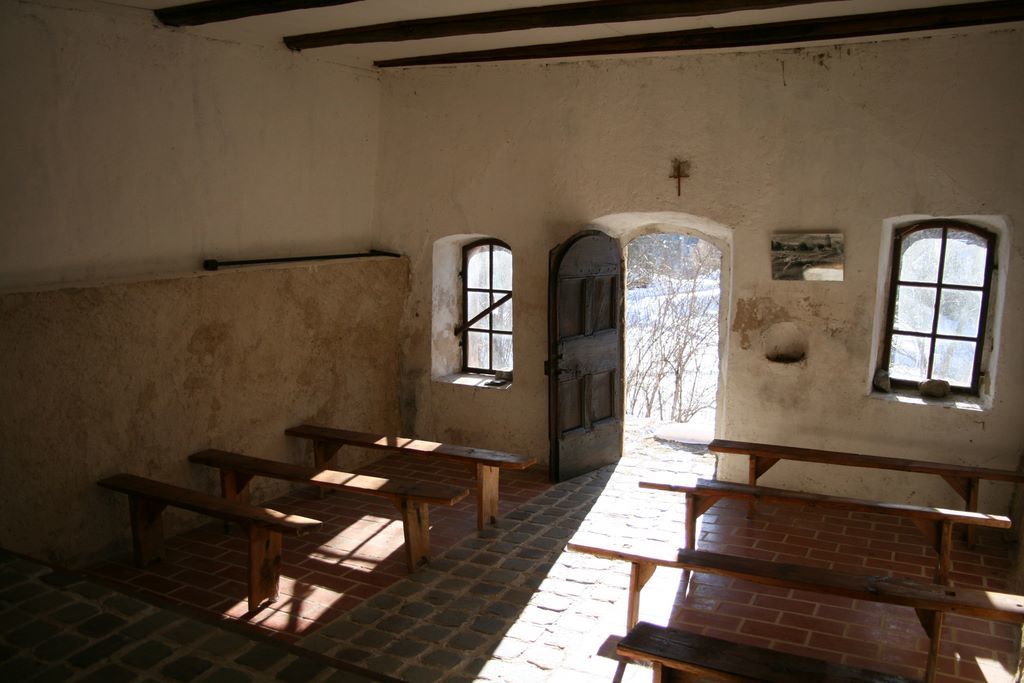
[{"x": 993, "y": 671}]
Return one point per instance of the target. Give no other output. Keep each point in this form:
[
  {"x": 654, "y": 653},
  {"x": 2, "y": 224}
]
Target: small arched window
[
  {"x": 939, "y": 293},
  {"x": 486, "y": 329}
]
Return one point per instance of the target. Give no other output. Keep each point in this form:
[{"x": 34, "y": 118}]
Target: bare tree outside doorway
[{"x": 672, "y": 299}]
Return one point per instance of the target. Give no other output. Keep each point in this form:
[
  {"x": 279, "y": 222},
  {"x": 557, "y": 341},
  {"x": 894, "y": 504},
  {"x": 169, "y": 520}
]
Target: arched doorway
[
  {"x": 704, "y": 238},
  {"x": 672, "y": 304}
]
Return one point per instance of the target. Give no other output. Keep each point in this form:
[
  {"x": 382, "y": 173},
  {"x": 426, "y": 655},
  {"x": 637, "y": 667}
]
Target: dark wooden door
[{"x": 585, "y": 354}]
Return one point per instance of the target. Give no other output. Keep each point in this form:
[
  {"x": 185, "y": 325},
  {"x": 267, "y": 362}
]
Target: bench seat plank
[
  {"x": 264, "y": 527},
  {"x": 935, "y": 523},
  {"x": 860, "y": 460},
  {"x": 208, "y": 504},
  {"x": 408, "y": 445},
  {"x": 410, "y": 497},
  {"x": 931, "y": 602},
  {"x": 394, "y": 489},
  {"x": 963, "y": 479},
  {"x": 487, "y": 464},
  {"x": 728, "y": 489},
  {"x": 966, "y": 601},
  {"x": 697, "y": 654}
]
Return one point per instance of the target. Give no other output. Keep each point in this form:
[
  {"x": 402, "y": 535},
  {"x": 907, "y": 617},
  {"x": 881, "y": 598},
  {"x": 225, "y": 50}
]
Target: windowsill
[
  {"x": 910, "y": 397},
  {"x": 473, "y": 380}
]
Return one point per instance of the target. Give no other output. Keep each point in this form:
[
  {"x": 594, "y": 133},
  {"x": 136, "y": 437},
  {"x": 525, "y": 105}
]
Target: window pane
[
  {"x": 959, "y": 313},
  {"x": 965, "y": 259},
  {"x": 909, "y": 358},
  {"x": 503, "y": 352},
  {"x": 954, "y": 361},
  {"x": 919, "y": 257},
  {"x": 915, "y": 309},
  {"x": 478, "y": 350},
  {"x": 478, "y": 267},
  {"x": 502, "y": 316},
  {"x": 502, "y": 268},
  {"x": 476, "y": 302}
]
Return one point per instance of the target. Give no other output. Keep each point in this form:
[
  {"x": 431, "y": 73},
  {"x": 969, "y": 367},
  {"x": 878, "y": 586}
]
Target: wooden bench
[
  {"x": 694, "y": 654},
  {"x": 931, "y": 602},
  {"x": 964, "y": 479},
  {"x": 411, "y": 498},
  {"x": 935, "y": 523},
  {"x": 147, "y": 499},
  {"x": 488, "y": 464}
]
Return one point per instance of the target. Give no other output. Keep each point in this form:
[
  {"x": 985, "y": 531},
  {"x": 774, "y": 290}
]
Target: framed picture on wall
[{"x": 808, "y": 256}]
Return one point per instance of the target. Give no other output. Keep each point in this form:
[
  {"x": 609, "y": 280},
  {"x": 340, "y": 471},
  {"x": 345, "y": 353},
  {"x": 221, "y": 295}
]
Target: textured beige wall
[
  {"x": 134, "y": 377},
  {"x": 815, "y": 139}
]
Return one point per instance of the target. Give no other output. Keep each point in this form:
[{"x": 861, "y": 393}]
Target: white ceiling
[{"x": 271, "y": 28}]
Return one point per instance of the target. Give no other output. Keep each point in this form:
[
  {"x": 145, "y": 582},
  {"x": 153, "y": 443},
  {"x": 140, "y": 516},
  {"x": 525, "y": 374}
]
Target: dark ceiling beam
[
  {"x": 523, "y": 18},
  {"x": 805, "y": 30},
  {"x": 210, "y": 11}
]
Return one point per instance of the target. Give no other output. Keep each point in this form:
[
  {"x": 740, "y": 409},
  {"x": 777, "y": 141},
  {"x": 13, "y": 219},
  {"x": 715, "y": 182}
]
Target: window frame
[
  {"x": 899, "y": 235},
  {"x": 467, "y": 325}
]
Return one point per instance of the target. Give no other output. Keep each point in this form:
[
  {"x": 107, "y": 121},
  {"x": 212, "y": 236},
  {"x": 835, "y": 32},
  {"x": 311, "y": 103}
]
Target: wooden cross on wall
[{"x": 680, "y": 170}]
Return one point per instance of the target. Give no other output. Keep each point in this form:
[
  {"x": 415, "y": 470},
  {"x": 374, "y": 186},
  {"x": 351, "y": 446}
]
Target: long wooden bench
[
  {"x": 487, "y": 464},
  {"x": 147, "y": 499},
  {"x": 964, "y": 479},
  {"x": 935, "y": 523},
  {"x": 410, "y": 497},
  {"x": 931, "y": 602},
  {"x": 694, "y": 654}
]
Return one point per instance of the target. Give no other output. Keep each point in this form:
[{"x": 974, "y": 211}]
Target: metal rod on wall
[{"x": 214, "y": 264}]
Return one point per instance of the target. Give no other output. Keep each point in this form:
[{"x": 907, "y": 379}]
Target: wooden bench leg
[
  {"x": 416, "y": 527},
  {"x": 486, "y": 495},
  {"x": 932, "y": 623},
  {"x": 639, "y": 574},
  {"x": 264, "y": 564},
  {"x": 944, "y": 547},
  {"x": 751, "y": 481},
  {"x": 972, "y": 506},
  {"x": 323, "y": 454},
  {"x": 756, "y": 466},
  {"x": 147, "y": 529},
  {"x": 966, "y": 488},
  {"x": 690, "y": 503},
  {"x": 940, "y": 536},
  {"x": 234, "y": 486},
  {"x": 694, "y": 505}
]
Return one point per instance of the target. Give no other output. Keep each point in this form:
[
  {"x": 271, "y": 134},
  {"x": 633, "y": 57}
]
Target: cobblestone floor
[
  {"x": 509, "y": 604},
  {"x": 60, "y": 626}
]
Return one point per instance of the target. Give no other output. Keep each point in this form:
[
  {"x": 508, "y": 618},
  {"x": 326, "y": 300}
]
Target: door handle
[
  {"x": 560, "y": 370},
  {"x": 547, "y": 366}
]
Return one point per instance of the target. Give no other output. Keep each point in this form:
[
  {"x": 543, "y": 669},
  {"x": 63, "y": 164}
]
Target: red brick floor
[
  {"x": 867, "y": 634},
  {"x": 357, "y": 552}
]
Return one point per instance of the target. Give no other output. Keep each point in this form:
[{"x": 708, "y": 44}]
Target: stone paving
[
  {"x": 509, "y": 604},
  {"x": 60, "y": 626},
  {"x": 505, "y": 604}
]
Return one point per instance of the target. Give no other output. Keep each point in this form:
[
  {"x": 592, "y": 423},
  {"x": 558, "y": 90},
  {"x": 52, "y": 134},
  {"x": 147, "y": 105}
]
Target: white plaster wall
[
  {"x": 834, "y": 138},
  {"x": 131, "y": 148}
]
